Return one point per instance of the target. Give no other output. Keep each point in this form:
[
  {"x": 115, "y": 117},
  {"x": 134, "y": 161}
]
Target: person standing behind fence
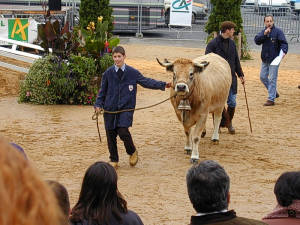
[
  {"x": 273, "y": 41},
  {"x": 224, "y": 46}
]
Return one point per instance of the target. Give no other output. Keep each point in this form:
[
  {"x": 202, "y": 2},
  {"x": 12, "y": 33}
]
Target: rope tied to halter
[{"x": 102, "y": 111}]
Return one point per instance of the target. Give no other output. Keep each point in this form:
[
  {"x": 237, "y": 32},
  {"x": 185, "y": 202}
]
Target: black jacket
[
  {"x": 226, "y": 218},
  {"x": 216, "y": 46},
  {"x": 130, "y": 218}
]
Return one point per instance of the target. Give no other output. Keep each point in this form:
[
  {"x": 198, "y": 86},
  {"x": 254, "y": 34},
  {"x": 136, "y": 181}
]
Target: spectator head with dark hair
[
  {"x": 208, "y": 189},
  {"x": 287, "y": 192},
  {"x": 62, "y": 197},
  {"x": 287, "y": 188},
  {"x": 100, "y": 201}
]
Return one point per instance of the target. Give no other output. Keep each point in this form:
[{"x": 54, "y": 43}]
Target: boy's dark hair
[
  {"x": 61, "y": 195},
  {"x": 287, "y": 188},
  {"x": 118, "y": 49},
  {"x": 208, "y": 187},
  {"x": 227, "y": 25}
]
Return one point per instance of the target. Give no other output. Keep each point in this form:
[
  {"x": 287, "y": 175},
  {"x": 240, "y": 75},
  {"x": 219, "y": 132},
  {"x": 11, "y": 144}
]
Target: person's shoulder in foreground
[
  {"x": 208, "y": 190},
  {"x": 129, "y": 218},
  {"x": 287, "y": 192}
]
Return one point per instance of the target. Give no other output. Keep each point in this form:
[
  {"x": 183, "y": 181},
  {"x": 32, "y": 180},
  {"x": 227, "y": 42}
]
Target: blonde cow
[{"x": 201, "y": 87}]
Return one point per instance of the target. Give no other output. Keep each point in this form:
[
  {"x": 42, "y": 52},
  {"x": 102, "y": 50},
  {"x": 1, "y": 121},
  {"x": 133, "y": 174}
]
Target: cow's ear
[
  {"x": 170, "y": 68},
  {"x": 199, "y": 67}
]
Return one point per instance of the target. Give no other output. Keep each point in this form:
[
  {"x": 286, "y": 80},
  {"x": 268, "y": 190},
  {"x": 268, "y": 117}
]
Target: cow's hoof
[
  {"x": 203, "y": 134},
  {"x": 194, "y": 161},
  {"x": 215, "y": 141},
  {"x": 188, "y": 151}
]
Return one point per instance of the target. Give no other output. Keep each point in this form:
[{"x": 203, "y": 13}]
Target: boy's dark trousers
[{"x": 125, "y": 136}]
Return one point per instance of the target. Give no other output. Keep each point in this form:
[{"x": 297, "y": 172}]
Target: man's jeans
[
  {"x": 231, "y": 100},
  {"x": 268, "y": 76}
]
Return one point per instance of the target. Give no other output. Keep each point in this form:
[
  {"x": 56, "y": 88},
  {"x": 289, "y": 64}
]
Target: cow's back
[{"x": 215, "y": 80}]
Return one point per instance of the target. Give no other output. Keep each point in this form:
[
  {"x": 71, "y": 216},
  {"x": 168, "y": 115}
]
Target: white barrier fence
[{"x": 13, "y": 44}]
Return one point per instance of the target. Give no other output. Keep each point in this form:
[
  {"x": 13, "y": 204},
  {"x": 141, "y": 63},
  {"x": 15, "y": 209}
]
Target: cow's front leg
[
  {"x": 188, "y": 143},
  {"x": 217, "y": 121},
  {"x": 200, "y": 125}
]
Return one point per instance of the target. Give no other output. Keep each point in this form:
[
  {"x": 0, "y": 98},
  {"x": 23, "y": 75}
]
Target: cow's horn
[
  {"x": 166, "y": 63},
  {"x": 202, "y": 64}
]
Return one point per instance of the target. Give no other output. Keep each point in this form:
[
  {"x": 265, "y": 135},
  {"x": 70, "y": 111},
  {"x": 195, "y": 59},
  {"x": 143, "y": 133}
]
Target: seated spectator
[
  {"x": 287, "y": 192},
  {"x": 100, "y": 202},
  {"x": 208, "y": 189},
  {"x": 24, "y": 197},
  {"x": 62, "y": 197}
]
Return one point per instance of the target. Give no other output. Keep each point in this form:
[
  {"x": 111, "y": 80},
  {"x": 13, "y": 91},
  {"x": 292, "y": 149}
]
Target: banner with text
[
  {"x": 181, "y": 13},
  {"x": 18, "y": 29}
]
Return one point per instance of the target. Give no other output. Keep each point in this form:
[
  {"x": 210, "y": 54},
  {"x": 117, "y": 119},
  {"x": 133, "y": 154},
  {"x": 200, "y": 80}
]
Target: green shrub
[
  {"x": 39, "y": 84},
  {"x": 53, "y": 81},
  {"x": 105, "y": 62},
  {"x": 83, "y": 71},
  {"x": 90, "y": 10}
]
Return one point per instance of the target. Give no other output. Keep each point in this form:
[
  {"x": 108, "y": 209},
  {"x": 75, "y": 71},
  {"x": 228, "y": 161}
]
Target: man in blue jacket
[
  {"x": 273, "y": 41},
  {"x": 118, "y": 92}
]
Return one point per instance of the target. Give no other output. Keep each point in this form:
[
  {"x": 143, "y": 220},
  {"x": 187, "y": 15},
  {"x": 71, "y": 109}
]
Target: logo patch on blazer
[{"x": 130, "y": 87}]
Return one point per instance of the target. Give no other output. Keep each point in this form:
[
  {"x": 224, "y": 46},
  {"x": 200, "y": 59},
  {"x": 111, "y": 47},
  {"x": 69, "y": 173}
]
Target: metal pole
[
  {"x": 141, "y": 19},
  {"x": 138, "y": 20},
  {"x": 298, "y": 30}
]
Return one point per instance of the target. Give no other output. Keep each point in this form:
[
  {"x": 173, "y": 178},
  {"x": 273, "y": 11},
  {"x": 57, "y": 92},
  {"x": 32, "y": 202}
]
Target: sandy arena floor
[{"x": 62, "y": 141}]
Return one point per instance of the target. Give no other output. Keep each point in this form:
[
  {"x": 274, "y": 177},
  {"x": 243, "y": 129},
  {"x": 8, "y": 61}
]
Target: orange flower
[{"x": 48, "y": 82}]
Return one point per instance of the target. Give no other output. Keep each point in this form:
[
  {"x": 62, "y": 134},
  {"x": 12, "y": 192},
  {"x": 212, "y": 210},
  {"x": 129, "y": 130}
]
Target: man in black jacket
[{"x": 224, "y": 46}]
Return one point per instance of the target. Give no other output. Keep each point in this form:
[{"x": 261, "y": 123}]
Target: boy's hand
[
  {"x": 242, "y": 79},
  {"x": 98, "y": 109},
  {"x": 168, "y": 85}
]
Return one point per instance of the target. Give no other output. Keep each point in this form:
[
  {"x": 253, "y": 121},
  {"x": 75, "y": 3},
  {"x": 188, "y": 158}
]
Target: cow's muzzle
[{"x": 181, "y": 88}]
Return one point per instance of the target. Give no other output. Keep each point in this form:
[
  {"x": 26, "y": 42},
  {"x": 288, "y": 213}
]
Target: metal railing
[{"x": 284, "y": 18}]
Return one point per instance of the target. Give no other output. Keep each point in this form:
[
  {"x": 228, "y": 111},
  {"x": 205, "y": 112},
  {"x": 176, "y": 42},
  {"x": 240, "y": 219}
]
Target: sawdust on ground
[{"x": 62, "y": 141}]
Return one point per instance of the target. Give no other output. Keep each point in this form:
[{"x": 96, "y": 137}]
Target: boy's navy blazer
[{"x": 119, "y": 94}]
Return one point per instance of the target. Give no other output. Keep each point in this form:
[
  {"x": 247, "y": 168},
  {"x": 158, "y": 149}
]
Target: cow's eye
[
  {"x": 174, "y": 76},
  {"x": 191, "y": 76}
]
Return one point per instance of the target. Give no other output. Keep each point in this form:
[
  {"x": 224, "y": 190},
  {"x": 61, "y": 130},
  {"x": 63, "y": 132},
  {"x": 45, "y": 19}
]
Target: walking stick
[{"x": 247, "y": 107}]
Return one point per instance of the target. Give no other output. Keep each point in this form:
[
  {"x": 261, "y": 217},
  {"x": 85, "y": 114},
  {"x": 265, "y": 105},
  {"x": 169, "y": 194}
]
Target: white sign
[
  {"x": 19, "y": 29},
  {"x": 181, "y": 13}
]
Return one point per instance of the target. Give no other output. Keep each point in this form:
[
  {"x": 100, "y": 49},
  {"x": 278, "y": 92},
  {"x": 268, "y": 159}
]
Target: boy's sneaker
[
  {"x": 133, "y": 159},
  {"x": 114, "y": 164}
]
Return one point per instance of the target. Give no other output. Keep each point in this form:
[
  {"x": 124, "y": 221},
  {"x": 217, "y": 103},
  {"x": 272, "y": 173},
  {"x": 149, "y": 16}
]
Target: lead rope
[{"x": 96, "y": 114}]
